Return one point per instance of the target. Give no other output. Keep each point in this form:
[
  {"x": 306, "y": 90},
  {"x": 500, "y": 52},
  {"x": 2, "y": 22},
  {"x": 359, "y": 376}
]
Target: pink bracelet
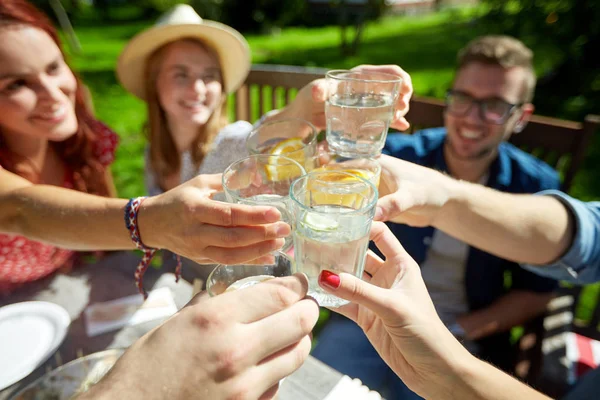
[{"x": 131, "y": 215}]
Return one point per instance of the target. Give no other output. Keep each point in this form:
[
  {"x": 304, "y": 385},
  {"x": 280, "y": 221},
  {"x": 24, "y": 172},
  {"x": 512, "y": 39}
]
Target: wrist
[
  {"x": 455, "y": 194},
  {"x": 149, "y": 231}
]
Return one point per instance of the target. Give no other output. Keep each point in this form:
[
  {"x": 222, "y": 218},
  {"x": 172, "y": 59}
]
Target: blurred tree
[
  {"x": 572, "y": 88},
  {"x": 347, "y": 14},
  {"x": 261, "y": 15}
]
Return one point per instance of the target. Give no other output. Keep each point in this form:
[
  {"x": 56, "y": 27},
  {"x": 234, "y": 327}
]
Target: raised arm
[
  {"x": 184, "y": 220},
  {"x": 522, "y": 228}
]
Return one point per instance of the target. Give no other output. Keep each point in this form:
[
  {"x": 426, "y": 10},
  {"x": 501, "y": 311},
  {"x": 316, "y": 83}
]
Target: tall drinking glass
[
  {"x": 263, "y": 180},
  {"x": 359, "y": 111},
  {"x": 333, "y": 212},
  {"x": 225, "y": 278},
  {"x": 294, "y": 138}
]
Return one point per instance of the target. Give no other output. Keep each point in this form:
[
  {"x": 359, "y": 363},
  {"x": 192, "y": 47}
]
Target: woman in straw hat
[
  {"x": 183, "y": 68},
  {"x": 54, "y": 182}
]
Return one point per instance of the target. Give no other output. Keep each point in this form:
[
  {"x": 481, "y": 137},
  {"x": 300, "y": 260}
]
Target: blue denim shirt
[
  {"x": 581, "y": 263},
  {"x": 513, "y": 171}
]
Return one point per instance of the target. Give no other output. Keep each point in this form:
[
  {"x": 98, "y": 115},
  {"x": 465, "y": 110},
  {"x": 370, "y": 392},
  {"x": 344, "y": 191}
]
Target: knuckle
[
  {"x": 300, "y": 353},
  {"x": 356, "y": 291},
  {"x": 225, "y": 215},
  {"x": 282, "y": 296},
  {"x": 208, "y": 321},
  {"x": 229, "y": 362},
  {"x": 305, "y": 321},
  {"x": 239, "y": 391}
]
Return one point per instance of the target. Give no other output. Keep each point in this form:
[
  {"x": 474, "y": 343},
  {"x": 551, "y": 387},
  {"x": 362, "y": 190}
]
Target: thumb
[
  {"x": 209, "y": 181},
  {"x": 319, "y": 90},
  {"x": 349, "y": 287},
  {"x": 390, "y": 207}
]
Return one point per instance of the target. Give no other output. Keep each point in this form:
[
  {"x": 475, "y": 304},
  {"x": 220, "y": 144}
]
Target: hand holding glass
[
  {"x": 263, "y": 180},
  {"x": 333, "y": 212},
  {"x": 359, "y": 110}
]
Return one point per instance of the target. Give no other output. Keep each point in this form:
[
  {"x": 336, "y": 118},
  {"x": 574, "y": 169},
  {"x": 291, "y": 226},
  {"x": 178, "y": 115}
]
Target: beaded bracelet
[{"x": 131, "y": 215}]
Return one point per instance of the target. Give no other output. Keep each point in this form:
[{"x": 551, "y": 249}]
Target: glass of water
[
  {"x": 293, "y": 137},
  {"x": 263, "y": 180},
  {"x": 333, "y": 212},
  {"x": 226, "y": 278},
  {"x": 359, "y": 110}
]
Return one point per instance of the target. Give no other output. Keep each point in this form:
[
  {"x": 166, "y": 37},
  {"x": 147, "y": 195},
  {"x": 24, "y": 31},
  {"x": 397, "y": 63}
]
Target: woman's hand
[
  {"x": 309, "y": 104},
  {"x": 187, "y": 221},
  {"x": 394, "y": 309}
]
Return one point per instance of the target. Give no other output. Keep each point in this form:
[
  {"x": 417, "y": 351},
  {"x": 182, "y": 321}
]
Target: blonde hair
[
  {"x": 164, "y": 158},
  {"x": 504, "y": 51}
]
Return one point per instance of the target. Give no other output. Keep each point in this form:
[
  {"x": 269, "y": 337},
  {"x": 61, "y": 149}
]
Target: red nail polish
[{"x": 329, "y": 279}]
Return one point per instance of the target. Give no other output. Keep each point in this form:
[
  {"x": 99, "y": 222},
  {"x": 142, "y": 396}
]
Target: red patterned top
[{"x": 23, "y": 260}]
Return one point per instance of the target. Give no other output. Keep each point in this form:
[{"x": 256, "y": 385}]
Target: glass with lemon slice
[
  {"x": 263, "y": 180},
  {"x": 293, "y": 138},
  {"x": 226, "y": 278},
  {"x": 333, "y": 213},
  {"x": 366, "y": 168}
]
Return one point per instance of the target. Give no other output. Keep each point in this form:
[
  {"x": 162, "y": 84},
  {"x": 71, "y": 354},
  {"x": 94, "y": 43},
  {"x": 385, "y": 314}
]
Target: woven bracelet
[{"x": 131, "y": 222}]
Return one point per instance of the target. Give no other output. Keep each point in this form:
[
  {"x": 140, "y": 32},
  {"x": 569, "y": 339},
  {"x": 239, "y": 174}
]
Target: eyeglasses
[{"x": 493, "y": 110}]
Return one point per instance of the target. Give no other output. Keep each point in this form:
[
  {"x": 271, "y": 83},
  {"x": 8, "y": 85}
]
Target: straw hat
[{"x": 183, "y": 22}]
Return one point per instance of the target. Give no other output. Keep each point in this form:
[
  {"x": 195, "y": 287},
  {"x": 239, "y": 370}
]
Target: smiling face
[
  {"x": 469, "y": 136},
  {"x": 37, "y": 88},
  {"x": 189, "y": 83}
]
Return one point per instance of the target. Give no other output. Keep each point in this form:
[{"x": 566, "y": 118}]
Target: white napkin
[
  {"x": 348, "y": 388},
  {"x": 128, "y": 311}
]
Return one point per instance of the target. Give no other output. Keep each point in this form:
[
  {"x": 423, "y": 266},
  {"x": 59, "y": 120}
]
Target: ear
[{"x": 526, "y": 112}]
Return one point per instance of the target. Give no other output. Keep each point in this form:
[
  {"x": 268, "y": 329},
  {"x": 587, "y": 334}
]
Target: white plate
[{"x": 29, "y": 333}]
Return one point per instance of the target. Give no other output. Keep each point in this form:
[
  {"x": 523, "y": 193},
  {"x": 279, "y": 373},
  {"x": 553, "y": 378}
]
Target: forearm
[
  {"x": 479, "y": 380},
  {"x": 522, "y": 228},
  {"x": 510, "y": 310},
  {"x": 65, "y": 218}
]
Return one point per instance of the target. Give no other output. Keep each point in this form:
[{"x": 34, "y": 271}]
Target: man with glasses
[{"x": 480, "y": 297}]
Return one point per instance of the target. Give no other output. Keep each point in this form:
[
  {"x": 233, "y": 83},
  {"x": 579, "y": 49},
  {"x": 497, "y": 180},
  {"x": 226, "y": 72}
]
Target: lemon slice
[
  {"x": 284, "y": 148},
  {"x": 341, "y": 199},
  {"x": 343, "y": 178},
  {"x": 247, "y": 282},
  {"x": 320, "y": 222},
  {"x": 287, "y": 146}
]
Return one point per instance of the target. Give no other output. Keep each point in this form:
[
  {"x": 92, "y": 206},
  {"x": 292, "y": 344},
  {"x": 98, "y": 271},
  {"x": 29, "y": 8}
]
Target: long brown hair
[
  {"x": 77, "y": 152},
  {"x": 164, "y": 158}
]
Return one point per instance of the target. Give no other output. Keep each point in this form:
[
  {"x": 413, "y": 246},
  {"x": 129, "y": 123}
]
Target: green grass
[{"x": 425, "y": 46}]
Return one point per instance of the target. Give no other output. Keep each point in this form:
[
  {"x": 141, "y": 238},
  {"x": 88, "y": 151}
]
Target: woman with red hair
[{"x": 55, "y": 185}]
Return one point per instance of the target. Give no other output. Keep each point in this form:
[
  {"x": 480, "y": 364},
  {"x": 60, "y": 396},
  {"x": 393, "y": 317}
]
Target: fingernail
[
  {"x": 273, "y": 215},
  {"x": 329, "y": 279},
  {"x": 378, "y": 214},
  {"x": 279, "y": 243},
  {"x": 283, "y": 230}
]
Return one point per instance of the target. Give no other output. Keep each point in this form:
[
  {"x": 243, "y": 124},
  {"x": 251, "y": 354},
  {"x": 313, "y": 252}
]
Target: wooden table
[{"x": 112, "y": 277}]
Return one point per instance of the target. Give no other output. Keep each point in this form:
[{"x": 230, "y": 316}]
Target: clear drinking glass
[
  {"x": 234, "y": 277},
  {"x": 294, "y": 138},
  {"x": 367, "y": 168},
  {"x": 359, "y": 111},
  {"x": 333, "y": 212},
  {"x": 263, "y": 180}
]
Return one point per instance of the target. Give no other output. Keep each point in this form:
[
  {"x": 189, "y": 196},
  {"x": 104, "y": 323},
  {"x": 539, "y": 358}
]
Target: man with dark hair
[{"x": 479, "y": 296}]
